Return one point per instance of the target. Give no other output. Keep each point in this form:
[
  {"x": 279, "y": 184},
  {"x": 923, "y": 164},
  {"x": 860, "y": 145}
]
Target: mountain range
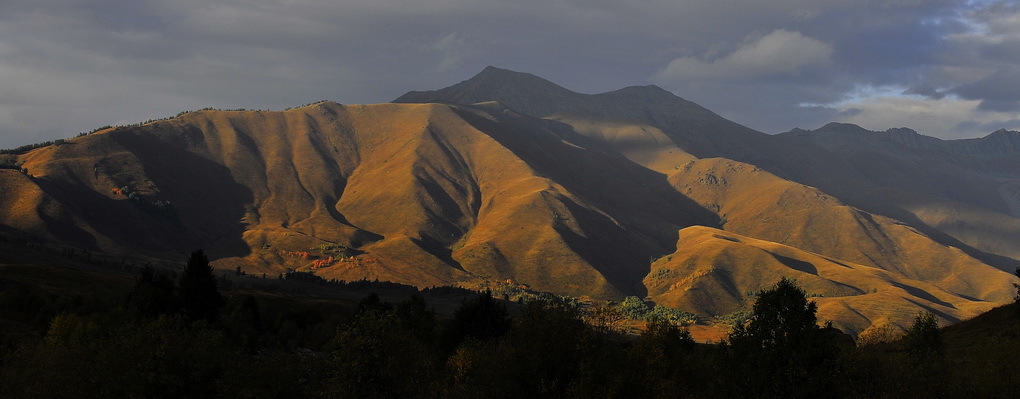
[{"x": 509, "y": 177}]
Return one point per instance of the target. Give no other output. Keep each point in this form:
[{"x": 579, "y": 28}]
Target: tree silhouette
[
  {"x": 782, "y": 317},
  {"x": 480, "y": 318},
  {"x": 417, "y": 318},
  {"x": 923, "y": 338},
  {"x": 200, "y": 297},
  {"x": 1017, "y": 286},
  {"x": 153, "y": 295},
  {"x": 781, "y": 351}
]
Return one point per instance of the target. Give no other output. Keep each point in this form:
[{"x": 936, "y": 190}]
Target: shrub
[
  {"x": 633, "y": 308},
  {"x": 671, "y": 316},
  {"x": 877, "y": 334}
]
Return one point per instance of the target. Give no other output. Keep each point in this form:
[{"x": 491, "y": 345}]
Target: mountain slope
[
  {"x": 714, "y": 272},
  {"x": 968, "y": 189},
  {"x": 509, "y": 177},
  {"x": 900, "y": 179},
  {"x": 885, "y": 209},
  {"x": 423, "y": 194}
]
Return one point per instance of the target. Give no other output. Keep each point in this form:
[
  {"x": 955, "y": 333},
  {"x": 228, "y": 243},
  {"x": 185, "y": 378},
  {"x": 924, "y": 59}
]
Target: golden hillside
[
  {"x": 714, "y": 272},
  {"x": 422, "y": 194},
  {"x": 508, "y": 177}
]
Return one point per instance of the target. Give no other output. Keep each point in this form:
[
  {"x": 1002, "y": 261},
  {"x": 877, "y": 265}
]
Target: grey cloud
[
  {"x": 781, "y": 52},
  {"x": 997, "y": 92},
  {"x": 927, "y": 90},
  {"x": 850, "y": 112},
  {"x": 131, "y": 60}
]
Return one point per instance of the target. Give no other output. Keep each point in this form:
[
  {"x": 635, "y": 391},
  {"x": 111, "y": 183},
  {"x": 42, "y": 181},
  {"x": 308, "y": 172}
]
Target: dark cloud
[
  {"x": 926, "y": 90},
  {"x": 998, "y": 92},
  {"x": 850, "y": 112},
  {"x": 68, "y": 66}
]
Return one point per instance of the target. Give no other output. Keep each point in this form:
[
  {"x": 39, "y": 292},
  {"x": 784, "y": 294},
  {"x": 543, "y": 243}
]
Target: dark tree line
[{"x": 185, "y": 339}]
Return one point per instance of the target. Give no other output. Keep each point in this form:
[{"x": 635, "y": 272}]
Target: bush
[
  {"x": 671, "y": 316},
  {"x": 633, "y": 308},
  {"x": 877, "y": 334}
]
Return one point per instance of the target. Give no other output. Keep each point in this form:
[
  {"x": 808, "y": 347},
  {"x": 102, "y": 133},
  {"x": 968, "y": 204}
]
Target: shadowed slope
[{"x": 965, "y": 189}]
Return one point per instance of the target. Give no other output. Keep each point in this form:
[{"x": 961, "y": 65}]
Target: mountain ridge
[
  {"x": 1001, "y": 142},
  {"x": 509, "y": 177}
]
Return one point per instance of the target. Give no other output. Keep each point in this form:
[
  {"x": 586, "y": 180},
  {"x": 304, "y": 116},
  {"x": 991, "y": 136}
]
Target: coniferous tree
[{"x": 200, "y": 298}]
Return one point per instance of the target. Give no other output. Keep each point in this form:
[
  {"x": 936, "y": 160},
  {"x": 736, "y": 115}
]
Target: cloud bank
[
  {"x": 69, "y": 66},
  {"x": 780, "y": 52}
]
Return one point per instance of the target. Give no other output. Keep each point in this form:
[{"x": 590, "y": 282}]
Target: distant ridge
[
  {"x": 534, "y": 96},
  {"x": 999, "y": 143}
]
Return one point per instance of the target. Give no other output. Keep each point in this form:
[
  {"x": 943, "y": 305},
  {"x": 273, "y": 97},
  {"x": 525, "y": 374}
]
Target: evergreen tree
[{"x": 200, "y": 297}]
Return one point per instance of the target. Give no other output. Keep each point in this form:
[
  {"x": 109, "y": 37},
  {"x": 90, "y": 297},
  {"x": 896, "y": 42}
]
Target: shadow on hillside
[
  {"x": 631, "y": 213},
  {"x": 796, "y": 264},
  {"x": 1000, "y": 262},
  {"x": 208, "y": 201},
  {"x": 919, "y": 293}
]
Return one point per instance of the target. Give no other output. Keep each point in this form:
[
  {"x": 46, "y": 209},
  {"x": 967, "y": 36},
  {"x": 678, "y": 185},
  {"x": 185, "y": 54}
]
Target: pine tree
[{"x": 199, "y": 296}]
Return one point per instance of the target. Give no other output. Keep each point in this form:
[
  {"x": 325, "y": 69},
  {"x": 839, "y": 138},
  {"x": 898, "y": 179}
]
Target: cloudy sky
[{"x": 949, "y": 69}]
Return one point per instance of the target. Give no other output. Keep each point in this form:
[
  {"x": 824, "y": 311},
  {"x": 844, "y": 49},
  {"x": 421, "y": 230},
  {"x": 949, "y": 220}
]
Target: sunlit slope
[
  {"x": 715, "y": 272},
  {"x": 962, "y": 193},
  {"x": 24, "y": 206},
  {"x": 510, "y": 177},
  {"x": 755, "y": 203},
  {"x": 424, "y": 194}
]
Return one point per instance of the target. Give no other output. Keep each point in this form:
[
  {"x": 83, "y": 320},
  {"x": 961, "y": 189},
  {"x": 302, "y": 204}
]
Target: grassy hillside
[{"x": 514, "y": 179}]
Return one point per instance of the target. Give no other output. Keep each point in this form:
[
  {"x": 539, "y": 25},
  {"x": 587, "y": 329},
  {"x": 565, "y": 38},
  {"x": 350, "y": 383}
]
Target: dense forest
[{"x": 187, "y": 337}]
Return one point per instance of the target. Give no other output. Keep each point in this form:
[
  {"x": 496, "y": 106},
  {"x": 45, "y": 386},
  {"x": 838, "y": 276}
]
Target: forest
[{"x": 189, "y": 337}]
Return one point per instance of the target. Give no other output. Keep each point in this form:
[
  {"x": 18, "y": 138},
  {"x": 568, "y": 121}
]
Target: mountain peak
[
  {"x": 1003, "y": 133},
  {"x": 648, "y": 91},
  {"x": 493, "y": 74},
  {"x": 534, "y": 96},
  {"x": 523, "y": 92},
  {"x": 839, "y": 127}
]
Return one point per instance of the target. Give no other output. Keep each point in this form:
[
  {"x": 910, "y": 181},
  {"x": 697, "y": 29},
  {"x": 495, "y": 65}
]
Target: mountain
[
  {"x": 509, "y": 177},
  {"x": 964, "y": 193},
  {"x": 429, "y": 194},
  {"x": 966, "y": 189}
]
